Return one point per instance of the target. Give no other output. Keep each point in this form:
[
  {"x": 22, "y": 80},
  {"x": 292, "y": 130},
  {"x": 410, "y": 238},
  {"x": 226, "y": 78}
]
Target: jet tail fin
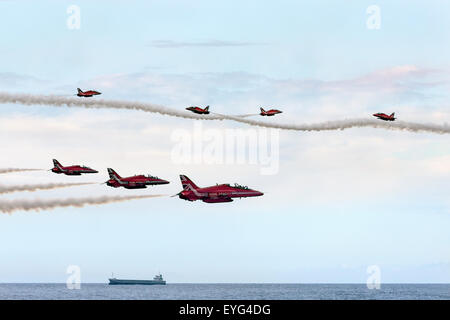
[
  {"x": 207, "y": 108},
  {"x": 392, "y": 114},
  {"x": 262, "y": 110},
  {"x": 187, "y": 183},
  {"x": 112, "y": 174},
  {"x": 56, "y": 163},
  {"x": 79, "y": 90}
]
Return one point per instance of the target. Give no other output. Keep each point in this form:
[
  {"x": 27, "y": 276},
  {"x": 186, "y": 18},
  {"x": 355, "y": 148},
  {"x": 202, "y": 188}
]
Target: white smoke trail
[
  {"x": 348, "y": 123},
  {"x": 10, "y": 206},
  {"x": 239, "y": 115},
  {"x": 58, "y": 101},
  {"x": 8, "y": 170},
  {"x": 147, "y": 107},
  {"x": 35, "y": 187}
]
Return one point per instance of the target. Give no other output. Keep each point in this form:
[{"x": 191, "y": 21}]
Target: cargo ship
[{"x": 157, "y": 280}]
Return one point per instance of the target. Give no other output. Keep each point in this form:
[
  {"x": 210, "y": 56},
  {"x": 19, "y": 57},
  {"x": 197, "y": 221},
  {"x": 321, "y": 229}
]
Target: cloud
[
  {"x": 203, "y": 44},
  {"x": 398, "y": 88}
]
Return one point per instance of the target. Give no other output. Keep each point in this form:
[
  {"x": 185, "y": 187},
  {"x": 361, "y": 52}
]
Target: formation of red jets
[
  {"x": 205, "y": 110},
  {"x": 190, "y": 192}
]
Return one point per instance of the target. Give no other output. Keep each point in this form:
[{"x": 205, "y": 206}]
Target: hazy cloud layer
[{"x": 412, "y": 92}]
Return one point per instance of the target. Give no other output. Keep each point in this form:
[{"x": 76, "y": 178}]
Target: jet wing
[
  {"x": 216, "y": 200},
  {"x": 136, "y": 184}
]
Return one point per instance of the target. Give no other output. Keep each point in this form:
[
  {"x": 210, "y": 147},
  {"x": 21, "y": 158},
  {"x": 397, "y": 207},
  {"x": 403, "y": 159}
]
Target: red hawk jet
[
  {"x": 270, "y": 112},
  {"x": 134, "y": 182},
  {"x": 214, "y": 194},
  {"x": 385, "y": 117},
  {"x": 88, "y": 93},
  {"x": 199, "y": 110},
  {"x": 71, "y": 170}
]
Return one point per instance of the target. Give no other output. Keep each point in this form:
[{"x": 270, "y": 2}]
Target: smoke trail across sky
[
  {"x": 58, "y": 101},
  {"x": 346, "y": 124},
  {"x": 8, "y": 170},
  {"x": 35, "y": 187},
  {"x": 10, "y": 206}
]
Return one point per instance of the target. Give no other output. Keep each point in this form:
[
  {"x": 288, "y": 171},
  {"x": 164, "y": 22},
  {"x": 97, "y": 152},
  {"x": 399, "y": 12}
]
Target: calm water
[{"x": 226, "y": 291}]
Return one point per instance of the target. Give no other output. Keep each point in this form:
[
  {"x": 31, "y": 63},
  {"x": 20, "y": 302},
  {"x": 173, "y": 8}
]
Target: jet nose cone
[
  {"x": 164, "y": 182},
  {"x": 258, "y": 193}
]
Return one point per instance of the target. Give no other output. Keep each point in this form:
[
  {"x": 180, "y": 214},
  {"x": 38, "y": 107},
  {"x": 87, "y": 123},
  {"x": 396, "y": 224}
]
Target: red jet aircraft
[
  {"x": 199, "y": 110},
  {"x": 88, "y": 93},
  {"x": 71, "y": 170},
  {"x": 134, "y": 182},
  {"x": 214, "y": 194},
  {"x": 385, "y": 117},
  {"x": 270, "y": 112}
]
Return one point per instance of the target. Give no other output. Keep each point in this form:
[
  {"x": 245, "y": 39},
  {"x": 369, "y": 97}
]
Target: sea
[{"x": 184, "y": 291}]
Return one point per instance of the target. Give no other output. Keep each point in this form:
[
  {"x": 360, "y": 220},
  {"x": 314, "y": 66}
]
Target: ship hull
[{"x": 135, "y": 282}]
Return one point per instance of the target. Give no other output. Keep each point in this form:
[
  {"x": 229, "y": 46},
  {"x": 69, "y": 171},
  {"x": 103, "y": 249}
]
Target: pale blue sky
[{"x": 342, "y": 200}]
